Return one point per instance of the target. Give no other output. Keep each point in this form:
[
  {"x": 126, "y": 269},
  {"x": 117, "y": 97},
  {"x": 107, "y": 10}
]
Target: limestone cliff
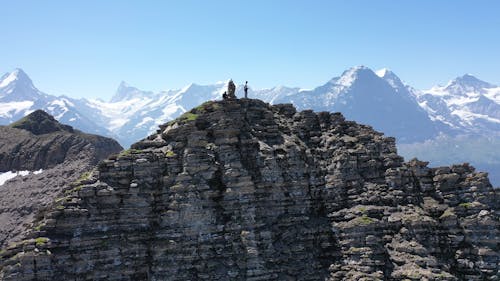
[{"x": 241, "y": 190}]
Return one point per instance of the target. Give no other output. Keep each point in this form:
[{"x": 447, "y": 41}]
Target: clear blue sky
[{"x": 85, "y": 48}]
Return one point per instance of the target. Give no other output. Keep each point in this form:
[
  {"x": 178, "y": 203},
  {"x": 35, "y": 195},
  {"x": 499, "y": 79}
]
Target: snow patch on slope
[{"x": 11, "y": 174}]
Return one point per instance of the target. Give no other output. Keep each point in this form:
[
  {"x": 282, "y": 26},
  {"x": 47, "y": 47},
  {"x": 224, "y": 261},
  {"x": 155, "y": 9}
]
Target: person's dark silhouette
[{"x": 246, "y": 89}]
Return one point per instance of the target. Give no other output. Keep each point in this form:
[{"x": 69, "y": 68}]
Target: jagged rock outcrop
[
  {"x": 60, "y": 153},
  {"x": 241, "y": 190}
]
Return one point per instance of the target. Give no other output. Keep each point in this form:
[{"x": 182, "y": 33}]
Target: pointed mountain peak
[
  {"x": 40, "y": 122},
  {"x": 391, "y": 78},
  {"x": 471, "y": 80},
  {"x": 122, "y": 85},
  {"x": 189, "y": 87},
  {"x": 20, "y": 73},
  {"x": 18, "y": 76},
  {"x": 126, "y": 92},
  {"x": 353, "y": 74},
  {"x": 357, "y": 70},
  {"x": 466, "y": 83},
  {"x": 385, "y": 72}
]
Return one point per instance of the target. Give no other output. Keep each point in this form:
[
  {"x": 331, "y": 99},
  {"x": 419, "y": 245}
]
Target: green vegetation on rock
[
  {"x": 170, "y": 153},
  {"x": 188, "y": 116},
  {"x": 363, "y": 220},
  {"x": 466, "y": 205},
  {"x": 128, "y": 152},
  {"x": 40, "y": 241}
]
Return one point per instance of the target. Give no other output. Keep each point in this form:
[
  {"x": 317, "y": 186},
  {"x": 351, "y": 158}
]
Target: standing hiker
[{"x": 246, "y": 89}]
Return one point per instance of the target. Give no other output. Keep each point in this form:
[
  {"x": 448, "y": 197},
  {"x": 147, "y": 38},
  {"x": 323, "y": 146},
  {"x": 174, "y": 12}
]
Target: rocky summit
[
  {"x": 242, "y": 190},
  {"x": 57, "y": 152}
]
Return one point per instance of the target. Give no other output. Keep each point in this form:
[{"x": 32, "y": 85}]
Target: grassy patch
[
  {"x": 40, "y": 241},
  {"x": 366, "y": 219},
  {"x": 207, "y": 106},
  {"x": 39, "y": 227},
  {"x": 170, "y": 153},
  {"x": 194, "y": 113},
  {"x": 356, "y": 250},
  {"x": 188, "y": 116},
  {"x": 85, "y": 176},
  {"x": 130, "y": 152},
  {"x": 465, "y": 205},
  {"x": 60, "y": 199},
  {"x": 363, "y": 220}
]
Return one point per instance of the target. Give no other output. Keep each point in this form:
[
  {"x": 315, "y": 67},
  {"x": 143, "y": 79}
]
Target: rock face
[
  {"x": 37, "y": 142},
  {"x": 241, "y": 190}
]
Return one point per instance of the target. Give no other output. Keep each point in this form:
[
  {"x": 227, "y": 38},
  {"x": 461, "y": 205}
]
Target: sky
[{"x": 86, "y": 48}]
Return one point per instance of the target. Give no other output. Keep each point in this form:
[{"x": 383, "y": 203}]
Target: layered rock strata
[
  {"x": 39, "y": 143},
  {"x": 241, "y": 190}
]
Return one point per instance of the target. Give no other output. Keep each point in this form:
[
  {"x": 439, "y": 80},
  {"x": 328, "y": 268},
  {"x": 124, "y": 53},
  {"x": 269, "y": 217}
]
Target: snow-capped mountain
[
  {"x": 466, "y": 104},
  {"x": 381, "y": 99},
  {"x": 19, "y": 97},
  {"x": 126, "y": 92}
]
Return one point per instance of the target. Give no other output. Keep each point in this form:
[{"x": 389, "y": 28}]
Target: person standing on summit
[{"x": 246, "y": 89}]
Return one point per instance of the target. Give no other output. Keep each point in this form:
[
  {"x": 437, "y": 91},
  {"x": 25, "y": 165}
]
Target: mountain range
[{"x": 465, "y": 106}]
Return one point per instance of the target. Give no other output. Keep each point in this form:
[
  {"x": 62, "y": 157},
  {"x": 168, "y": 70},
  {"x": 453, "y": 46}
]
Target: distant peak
[
  {"x": 357, "y": 70},
  {"x": 19, "y": 72},
  {"x": 390, "y": 77},
  {"x": 40, "y": 122},
  {"x": 123, "y": 84},
  {"x": 126, "y": 92},
  {"x": 349, "y": 76},
  {"x": 16, "y": 76},
  {"x": 469, "y": 80},
  {"x": 384, "y": 72}
]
